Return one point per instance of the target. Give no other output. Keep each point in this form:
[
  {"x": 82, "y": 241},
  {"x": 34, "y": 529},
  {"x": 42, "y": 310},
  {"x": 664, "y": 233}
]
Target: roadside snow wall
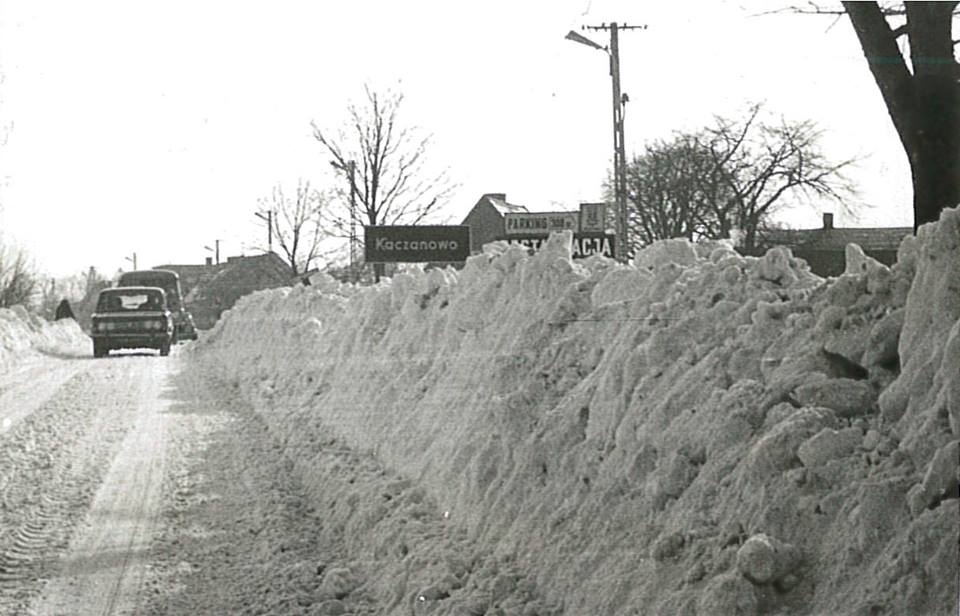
[
  {"x": 696, "y": 433},
  {"x": 23, "y": 334}
]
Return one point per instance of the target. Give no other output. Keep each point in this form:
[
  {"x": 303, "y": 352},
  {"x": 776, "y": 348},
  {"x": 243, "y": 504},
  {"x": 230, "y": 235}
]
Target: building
[
  {"x": 493, "y": 218},
  {"x": 824, "y": 248},
  {"x": 486, "y": 219},
  {"x": 210, "y": 289}
]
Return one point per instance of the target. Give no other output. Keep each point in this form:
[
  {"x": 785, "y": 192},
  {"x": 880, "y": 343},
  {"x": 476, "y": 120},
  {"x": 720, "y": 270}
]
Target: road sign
[
  {"x": 543, "y": 223},
  {"x": 416, "y": 243},
  {"x": 593, "y": 217},
  {"x": 584, "y": 244}
]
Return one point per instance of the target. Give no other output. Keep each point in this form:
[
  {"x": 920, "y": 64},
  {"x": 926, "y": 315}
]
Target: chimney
[
  {"x": 828, "y": 220},
  {"x": 209, "y": 261}
]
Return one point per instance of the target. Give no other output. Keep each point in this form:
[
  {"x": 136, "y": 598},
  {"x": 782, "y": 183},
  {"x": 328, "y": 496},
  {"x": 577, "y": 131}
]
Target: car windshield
[{"x": 130, "y": 301}]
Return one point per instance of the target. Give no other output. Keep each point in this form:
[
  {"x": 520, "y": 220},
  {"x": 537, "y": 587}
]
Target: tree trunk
[
  {"x": 935, "y": 148},
  {"x": 924, "y": 106},
  {"x": 935, "y": 145}
]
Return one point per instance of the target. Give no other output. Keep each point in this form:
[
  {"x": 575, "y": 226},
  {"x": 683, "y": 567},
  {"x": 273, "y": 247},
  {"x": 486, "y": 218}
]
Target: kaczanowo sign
[{"x": 416, "y": 243}]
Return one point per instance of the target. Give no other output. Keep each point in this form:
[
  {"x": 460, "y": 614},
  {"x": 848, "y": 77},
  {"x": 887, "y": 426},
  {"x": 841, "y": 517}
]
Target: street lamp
[
  {"x": 619, "y": 102},
  {"x": 579, "y": 38},
  {"x": 133, "y": 260},
  {"x": 269, "y": 218},
  {"x": 351, "y": 168}
]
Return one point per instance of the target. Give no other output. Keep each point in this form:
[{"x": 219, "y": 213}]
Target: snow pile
[
  {"x": 696, "y": 433},
  {"x": 23, "y": 334}
]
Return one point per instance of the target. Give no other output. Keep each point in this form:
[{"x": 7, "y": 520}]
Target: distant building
[
  {"x": 824, "y": 248},
  {"x": 486, "y": 219},
  {"x": 493, "y": 218},
  {"x": 210, "y": 289}
]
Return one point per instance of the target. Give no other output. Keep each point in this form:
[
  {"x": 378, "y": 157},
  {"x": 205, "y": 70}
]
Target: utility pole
[
  {"x": 353, "y": 217},
  {"x": 133, "y": 260},
  {"x": 619, "y": 153},
  {"x": 351, "y": 169},
  {"x": 216, "y": 250}
]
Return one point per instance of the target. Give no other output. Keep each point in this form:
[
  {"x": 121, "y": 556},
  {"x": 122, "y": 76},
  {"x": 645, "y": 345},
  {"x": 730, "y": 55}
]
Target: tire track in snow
[
  {"x": 50, "y": 465},
  {"x": 102, "y": 571}
]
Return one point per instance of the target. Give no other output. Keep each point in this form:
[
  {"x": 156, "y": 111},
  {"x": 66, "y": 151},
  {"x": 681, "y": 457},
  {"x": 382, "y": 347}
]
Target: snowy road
[
  {"x": 32, "y": 384},
  {"x": 130, "y": 486},
  {"x": 102, "y": 570},
  {"x": 135, "y": 484},
  {"x": 80, "y": 441}
]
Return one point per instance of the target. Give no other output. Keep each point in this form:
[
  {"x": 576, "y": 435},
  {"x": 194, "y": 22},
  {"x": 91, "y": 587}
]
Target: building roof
[
  {"x": 271, "y": 257},
  {"x": 499, "y": 202},
  {"x": 875, "y": 238},
  {"x": 191, "y": 267}
]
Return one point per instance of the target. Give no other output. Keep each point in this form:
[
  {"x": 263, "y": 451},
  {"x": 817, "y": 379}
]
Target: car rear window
[{"x": 126, "y": 302}]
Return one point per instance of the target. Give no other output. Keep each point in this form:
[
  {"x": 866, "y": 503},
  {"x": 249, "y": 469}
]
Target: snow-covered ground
[
  {"x": 696, "y": 433},
  {"x": 23, "y": 335}
]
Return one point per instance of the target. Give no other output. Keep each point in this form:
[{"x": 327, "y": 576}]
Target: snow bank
[
  {"x": 697, "y": 433},
  {"x": 23, "y": 334}
]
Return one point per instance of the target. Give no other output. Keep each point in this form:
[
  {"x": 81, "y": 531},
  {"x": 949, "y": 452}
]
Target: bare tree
[
  {"x": 759, "y": 165},
  {"x": 922, "y": 99},
  {"x": 297, "y": 223},
  {"x": 18, "y": 279},
  {"x": 735, "y": 174},
  {"x": 392, "y": 183},
  {"x": 924, "y": 105}
]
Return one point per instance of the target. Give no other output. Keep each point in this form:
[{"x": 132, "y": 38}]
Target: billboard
[
  {"x": 416, "y": 243},
  {"x": 584, "y": 244},
  {"x": 542, "y": 223}
]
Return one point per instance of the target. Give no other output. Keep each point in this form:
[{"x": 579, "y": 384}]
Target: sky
[{"x": 155, "y": 128}]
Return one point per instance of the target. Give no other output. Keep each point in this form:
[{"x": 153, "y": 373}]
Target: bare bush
[{"x": 19, "y": 283}]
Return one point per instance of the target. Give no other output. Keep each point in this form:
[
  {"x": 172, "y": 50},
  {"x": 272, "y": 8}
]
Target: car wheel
[{"x": 99, "y": 350}]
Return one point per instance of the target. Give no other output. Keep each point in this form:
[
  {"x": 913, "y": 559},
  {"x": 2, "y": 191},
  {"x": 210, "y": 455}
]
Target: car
[
  {"x": 132, "y": 318},
  {"x": 169, "y": 281}
]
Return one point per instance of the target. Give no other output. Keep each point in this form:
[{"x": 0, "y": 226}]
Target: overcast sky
[{"x": 154, "y": 127}]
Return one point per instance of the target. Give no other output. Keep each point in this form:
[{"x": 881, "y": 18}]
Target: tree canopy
[
  {"x": 391, "y": 180},
  {"x": 733, "y": 174},
  {"x": 297, "y": 223}
]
